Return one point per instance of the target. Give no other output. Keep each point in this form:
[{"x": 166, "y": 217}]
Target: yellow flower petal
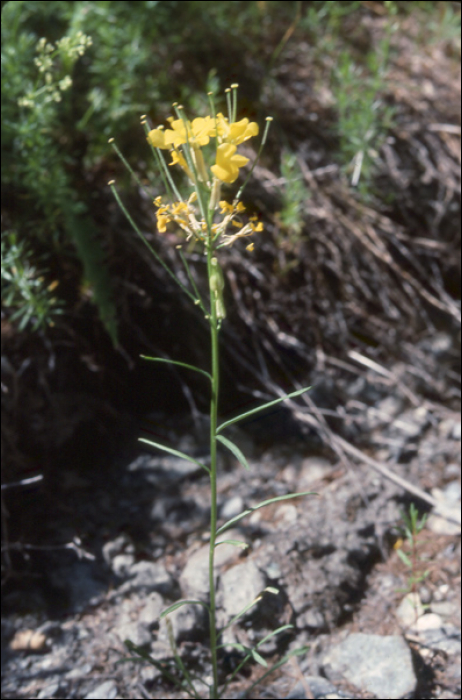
[
  {"x": 156, "y": 138},
  {"x": 202, "y": 128},
  {"x": 226, "y": 207},
  {"x": 235, "y": 133},
  {"x": 228, "y": 163},
  {"x": 177, "y": 157},
  {"x": 162, "y": 222},
  {"x": 197, "y": 132}
]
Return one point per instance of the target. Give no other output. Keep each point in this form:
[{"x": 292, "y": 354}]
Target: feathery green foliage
[{"x": 36, "y": 83}]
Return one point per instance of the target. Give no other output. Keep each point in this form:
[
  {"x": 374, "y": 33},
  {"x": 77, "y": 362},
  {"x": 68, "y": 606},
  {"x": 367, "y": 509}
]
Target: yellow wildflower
[
  {"x": 226, "y": 207},
  {"x": 156, "y": 138},
  {"x": 237, "y": 132},
  {"x": 178, "y": 157},
  {"x": 163, "y": 218},
  {"x": 228, "y": 163},
  {"x": 197, "y": 132}
]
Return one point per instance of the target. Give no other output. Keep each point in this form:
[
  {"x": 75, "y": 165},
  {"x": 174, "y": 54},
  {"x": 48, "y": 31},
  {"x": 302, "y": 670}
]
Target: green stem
[{"x": 213, "y": 469}]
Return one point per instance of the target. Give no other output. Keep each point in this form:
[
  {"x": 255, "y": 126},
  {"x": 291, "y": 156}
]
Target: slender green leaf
[
  {"x": 408, "y": 534},
  {"x": 180, "y": 603},
  {"x": 233, "y": 645},
  {"x": 404, "y": 558},
  {"x": 236, "y": 543},
  {"x": 421, "y": 524},
  {"x": 273, "y": 633},
  {"x": 240, "y": 647},
  {"x": 258, "y": 658},
  {"x": 175, "y": 362},
  {"x": 242, "y": 612},
  {"x": 278, "y": 664},
  {"x": 235, "y": 450},
  {"x": 236, "y": 518},
  {"x": 177, "y": 453},
  {"x": 178, "y": 660},
  {"x": 249, "y": 605},
  {"x": 144, "y": 656},
  {"x": 261, "y": 408}
]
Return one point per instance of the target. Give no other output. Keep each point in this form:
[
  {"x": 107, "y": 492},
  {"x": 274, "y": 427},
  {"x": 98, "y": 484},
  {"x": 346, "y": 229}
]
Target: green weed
[
  {"x": 409, "y": 532},
  {"x": 363, "y": 116},
  {"x": 206, "y": 150},
  {"x": 24, "y": 289}
]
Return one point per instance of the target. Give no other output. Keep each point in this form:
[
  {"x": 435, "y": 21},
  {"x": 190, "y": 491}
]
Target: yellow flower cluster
[
  {"x": 187, "y": 141},
  {"x": 231, "y": 211},
  {"x": 197, "y": 134},
  {"x": 184, "y": 215}
]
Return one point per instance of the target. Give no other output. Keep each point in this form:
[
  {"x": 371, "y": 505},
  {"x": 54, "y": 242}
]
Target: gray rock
[
  {"x": 383, "y": 413},
  {"x": 188, "y": 624},
  {"x": 121, "y": 564},
  {"x": 446, "y": 639},
  {"x": 440, "y": 344},
  {"x": 80, "y": 671},
  {"x": 137, "y": 625},
  {"x": 457, "y": 431},
  {"x": 134, "y": 631},
  {"x": 449, "y": 428},
  {"x": 313, "y": 469},
  {"x": 409, "y": 610},
  {"x": 194, "y": 579},
  {"x": 239, "y": 586},
  {"x": 452, "y": 470},
  {"x": 148, "y": 575},
  {"x": 410, "y": 424},
  {"x": 446, "y": 608},
  {"x": 319, "y": 687},
  {"x": 121, "y": 544},
  {"x": 439, "y": 524},
  {"x": 452, "y": 492},
  {"x": 232, "y": 507},
  {"x": 108, "y": 689},
  {"x": 157, "y": 469},
  {"x": 50, "y": 691},
  {"x": 153, "y": 606},
  {"x": 380, "y": 665}
]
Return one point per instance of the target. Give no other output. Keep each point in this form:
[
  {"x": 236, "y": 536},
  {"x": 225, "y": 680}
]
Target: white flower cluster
[
  {"x": 69, "y": 49},
  {"x": 74, "y": 46}
]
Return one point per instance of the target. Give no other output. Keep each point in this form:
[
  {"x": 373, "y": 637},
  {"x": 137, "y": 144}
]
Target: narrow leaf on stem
[
  {"x": 235, "y": 450},
  {"x": 176, "y": 362},
  {"x": 261, "y": 408},
  {"x": 177, "y": 453},
  {"x": 236, "y": 518}
]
